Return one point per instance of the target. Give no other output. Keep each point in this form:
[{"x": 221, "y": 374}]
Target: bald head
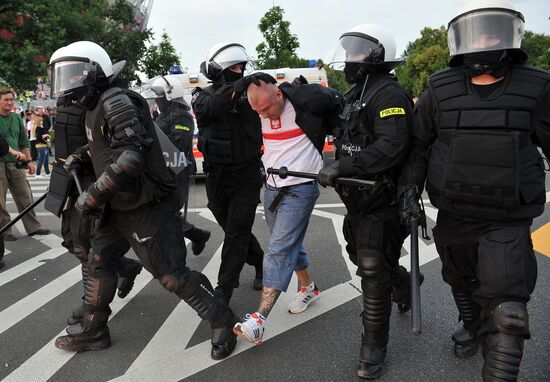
[{"x": 266, "y": 99}]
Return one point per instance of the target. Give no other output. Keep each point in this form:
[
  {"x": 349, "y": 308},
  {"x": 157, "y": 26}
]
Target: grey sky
[{"x": 194, "y": 25}]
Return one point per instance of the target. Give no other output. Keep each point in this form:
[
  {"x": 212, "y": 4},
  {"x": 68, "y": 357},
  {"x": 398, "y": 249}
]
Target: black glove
[
  {"x": 328, "y": 173},
  {"x": 409, "y": 207},
  {"x": 300, "y": 81},
  {"x": 86, "y": 207},
  {"x": 77, "y": 160},
  {"x": 242, "y": 84}
]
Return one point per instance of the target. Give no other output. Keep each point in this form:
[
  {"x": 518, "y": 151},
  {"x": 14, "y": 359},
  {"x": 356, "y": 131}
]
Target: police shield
[{"x": 175, "y": 159}]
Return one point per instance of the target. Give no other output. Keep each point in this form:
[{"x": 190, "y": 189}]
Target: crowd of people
[{"x": 471, "y": 141}]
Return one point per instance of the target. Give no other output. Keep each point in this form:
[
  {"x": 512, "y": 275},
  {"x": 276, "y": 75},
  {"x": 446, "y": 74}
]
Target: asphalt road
[{"x": 157, "y": 338}]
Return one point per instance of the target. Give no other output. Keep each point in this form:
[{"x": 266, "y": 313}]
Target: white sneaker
[
  {"x": 302, "y": 299},
  {"x": 252, "y": 329}
]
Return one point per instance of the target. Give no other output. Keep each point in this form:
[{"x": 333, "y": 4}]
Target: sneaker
[
  {"x": 252, "y": 329},
  {"x": 302, "y": 299},
  {"x": 40, "y": 231}
]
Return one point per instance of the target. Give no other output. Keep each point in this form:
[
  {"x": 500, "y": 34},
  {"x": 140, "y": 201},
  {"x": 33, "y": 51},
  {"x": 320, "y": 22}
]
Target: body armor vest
[
  {"x": 235, "y": 138},
  {"x": 69, "y": 130},
  {"x": 484, "y": 163},
  {"x": 153, "y": 183}
]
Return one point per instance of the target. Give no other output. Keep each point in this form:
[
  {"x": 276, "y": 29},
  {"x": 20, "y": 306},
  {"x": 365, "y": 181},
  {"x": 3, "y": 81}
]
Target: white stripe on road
[
  {"x": 35, "y": 262},
  {"x": 175, "y": 333},
  {"x": 48, "y": 360},
  {"x": 22, "y": 308}
]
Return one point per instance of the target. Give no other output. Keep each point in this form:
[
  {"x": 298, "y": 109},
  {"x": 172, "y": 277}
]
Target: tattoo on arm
[{"x": 268, "y": 300}]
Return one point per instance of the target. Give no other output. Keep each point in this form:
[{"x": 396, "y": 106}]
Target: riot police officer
[
  {"x": 476, "y": 132},
  {"x": 177, "y": 123},
  {"x": 372, "y": 144},
  {"x": 71, "y": 154},
  {"x": 133, "y": 200}
]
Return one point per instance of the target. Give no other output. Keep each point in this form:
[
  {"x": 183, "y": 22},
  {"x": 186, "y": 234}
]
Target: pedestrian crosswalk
[{"x": 156, "y": 337}]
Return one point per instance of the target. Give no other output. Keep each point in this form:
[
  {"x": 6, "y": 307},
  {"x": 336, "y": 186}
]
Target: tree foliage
[
  {"x": 429, "y": 53},
  {"x": 159, "y": 58},
  {"x": 279, "y": 48},
  {"x": 32, "y": 30}
]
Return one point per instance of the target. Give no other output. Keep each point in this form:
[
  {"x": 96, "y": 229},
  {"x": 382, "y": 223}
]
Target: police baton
[
  {"x": 416, "y": 320},
  {"x": 284, "y": 172},
  {"x": 23, "y": 213},
  {"x": 76, "y": 180}
]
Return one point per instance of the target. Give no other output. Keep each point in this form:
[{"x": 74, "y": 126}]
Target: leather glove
[
  {"x": 86, "y": 207},
  {"x": 242, "y": 84},
  {"x": 328, "y": 173},
  {"x": 409, "y": 207},
  {"x": 300, "y": 81},
  {"x": 77, "y": 160}
]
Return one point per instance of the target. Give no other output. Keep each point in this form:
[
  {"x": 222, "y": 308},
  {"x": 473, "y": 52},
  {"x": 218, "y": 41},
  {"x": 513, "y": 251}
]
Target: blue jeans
[
  {"x": 287, "y": 229},
  {"x": 43, "y": 160}
]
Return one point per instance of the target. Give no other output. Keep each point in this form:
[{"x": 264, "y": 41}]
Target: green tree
[
  {"x": 423, "y": 57},
  {"x": 537, "y": 46},
  {"x": 279, "y": 48},
  {"x": 159, "y": 58},
  {"x": 336, "y": 78},
  {"x": 32, "y": 30}
]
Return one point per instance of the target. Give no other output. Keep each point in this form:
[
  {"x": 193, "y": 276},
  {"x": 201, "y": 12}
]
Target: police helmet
[
  {"x": 222, "y": 56},
  {"x": 74, "y": 70},
  {"x": 369, "y": 44},
  {"x": 486, "y": 25},
  {"x": 164, "y": 88}
]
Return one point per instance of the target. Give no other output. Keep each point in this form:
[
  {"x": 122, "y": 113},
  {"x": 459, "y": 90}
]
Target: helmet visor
[
  {"x": 354, "y": 47},
  {"x": 483, "y": 31},
  {"x": 68, "y": 75},
  {"x": 229, "y": 56}
]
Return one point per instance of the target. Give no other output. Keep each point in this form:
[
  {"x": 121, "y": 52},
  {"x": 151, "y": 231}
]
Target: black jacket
[{"x": 317, "y": 110}]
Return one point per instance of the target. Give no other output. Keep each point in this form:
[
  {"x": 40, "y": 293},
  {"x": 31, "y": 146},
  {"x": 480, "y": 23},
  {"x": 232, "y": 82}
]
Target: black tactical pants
[
  {"x": 374, "y": 245},
  {"x": 492, "y": 260},
  {"x": 233, "y": 196}
]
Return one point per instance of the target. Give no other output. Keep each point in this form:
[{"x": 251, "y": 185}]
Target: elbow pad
[
  {"x": 129, "y": 165},
  {"x": 121, "y": 115}
]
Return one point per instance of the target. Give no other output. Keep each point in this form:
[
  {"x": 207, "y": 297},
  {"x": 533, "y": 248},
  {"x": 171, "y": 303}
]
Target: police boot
[
  {"x": 91, "y": 334},
  {"x": 78, "y": 312},
  {"x": 376, "y": 317},
  {"x": 401, "y": 294},
  {"x": 466, "y": 339},
  {"x": 258, "y": 283},
  {"x": 198, "y": 238},
  {"x": 76, "y": 316},
  {"x": 127, "y": 270},
  {"x": 224, "y": 294},
  {"x": 502, "y": 345},
  {"x": 198, "y": 293}
]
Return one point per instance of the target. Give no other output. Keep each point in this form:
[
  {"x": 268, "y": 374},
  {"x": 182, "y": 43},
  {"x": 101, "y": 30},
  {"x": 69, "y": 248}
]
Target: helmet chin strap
[{"x": 495, "y": 63}]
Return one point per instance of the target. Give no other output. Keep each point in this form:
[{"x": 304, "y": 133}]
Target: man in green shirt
[{"x": 11, "y": 177}]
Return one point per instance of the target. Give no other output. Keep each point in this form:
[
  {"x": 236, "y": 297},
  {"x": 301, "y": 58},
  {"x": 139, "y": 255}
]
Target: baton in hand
[
  {"x": 416, "y": 320},
  {"x": 76, "y": 180},
  {"x": 284, "y": 172}
]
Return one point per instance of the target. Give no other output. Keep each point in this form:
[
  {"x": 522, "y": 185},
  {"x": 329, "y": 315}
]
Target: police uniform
[
  {"x": 230, "y": 139},
  {"x": 372, "y": 145},
  {"x": 476, "y": 147}
]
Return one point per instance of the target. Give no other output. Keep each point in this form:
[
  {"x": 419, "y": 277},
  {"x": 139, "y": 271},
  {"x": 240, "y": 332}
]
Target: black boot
[
  {"x": 371, "y": 361},
  {"x": 376, "y": 325},
  {"x": 223, "y": 340},
  {"x": 466, "y": 339},
  {"x": 84, "y": 338},
  {"x": 401, "y": 294},
  {"x": 198, "y": 238},
  {"x": 76, "y": 316},
  {"x": 223, "y": 294},
  {"x": 258, "y": 283},
  {"x": 127, "y": 270},
  {"x": 502, "y": 346}
]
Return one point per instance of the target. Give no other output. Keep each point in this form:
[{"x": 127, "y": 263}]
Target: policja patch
[
  {"x": 175, "y": 159},
  {"x": 392, "y": 111}
]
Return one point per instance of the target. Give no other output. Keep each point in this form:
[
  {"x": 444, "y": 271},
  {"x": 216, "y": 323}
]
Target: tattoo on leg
[{"x": 268, "y": 300}]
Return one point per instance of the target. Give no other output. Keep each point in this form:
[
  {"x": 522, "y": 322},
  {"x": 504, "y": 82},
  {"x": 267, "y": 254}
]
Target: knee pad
[
  {"x": 371, "y": 264},
  {"x": 81, "y": 253},
  {"x": 509, "y": 318}
]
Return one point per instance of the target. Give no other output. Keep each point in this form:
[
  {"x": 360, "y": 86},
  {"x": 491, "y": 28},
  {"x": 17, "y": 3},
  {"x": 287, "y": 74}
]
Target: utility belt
[{"x": 284, "y": 191}]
